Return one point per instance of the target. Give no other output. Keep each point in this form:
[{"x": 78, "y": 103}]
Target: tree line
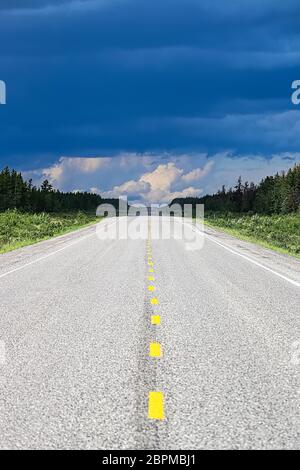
[
  {"x": 279, "y": 194},
  {"x": 16, "y": 193}
]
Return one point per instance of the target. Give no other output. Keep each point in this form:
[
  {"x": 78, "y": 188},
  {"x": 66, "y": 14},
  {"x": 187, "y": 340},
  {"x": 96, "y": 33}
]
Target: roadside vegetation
[
  {"x": 16, "y": 193},
  {"x": 19, "y": 229},
  {"x": 279, "y": 194},
  {"x": 29, "y": 214},
  {"x": 279, "y": 232},
  {"x": 267, "y": 213}
]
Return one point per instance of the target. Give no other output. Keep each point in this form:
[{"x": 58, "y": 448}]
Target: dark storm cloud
[
  {"x": 32, "y": 4},
  {"x": 93, "y": 77}
]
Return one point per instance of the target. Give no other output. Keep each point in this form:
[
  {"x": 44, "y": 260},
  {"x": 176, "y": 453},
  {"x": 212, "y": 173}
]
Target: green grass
[
  {"x": 278, "y": 232},
  {"x": 19, "y": 229}
]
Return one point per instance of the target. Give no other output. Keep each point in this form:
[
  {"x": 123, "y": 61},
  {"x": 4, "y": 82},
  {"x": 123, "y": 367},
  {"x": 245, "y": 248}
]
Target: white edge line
[
  {"x": 53, "y": 252},
  {"x": 291, "y": 281}
]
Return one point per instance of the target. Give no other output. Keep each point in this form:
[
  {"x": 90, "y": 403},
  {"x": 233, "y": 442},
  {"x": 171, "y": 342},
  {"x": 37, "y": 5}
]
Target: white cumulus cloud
[
  {"x": 198, "y": 173},
  {"x": 159, "y": 178}
]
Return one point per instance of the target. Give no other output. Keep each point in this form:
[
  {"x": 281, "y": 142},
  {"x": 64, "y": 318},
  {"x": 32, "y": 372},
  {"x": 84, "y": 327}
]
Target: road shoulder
[{"x": 284, "y": 264}]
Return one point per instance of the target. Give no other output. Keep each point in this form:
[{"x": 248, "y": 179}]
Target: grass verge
[
  {"x": 278, "y": 232},
  {"x": 18, "y": 229}
]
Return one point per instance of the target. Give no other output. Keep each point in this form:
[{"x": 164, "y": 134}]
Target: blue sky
[{"x": 163, "y": 88}]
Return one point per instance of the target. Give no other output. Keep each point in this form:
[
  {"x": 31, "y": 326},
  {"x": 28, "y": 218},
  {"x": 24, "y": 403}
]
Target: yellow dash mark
[
  {"x": 154, "y": 301},
  {"x": 151, "y": 288},
  {"x": 155, "y": 319},
  {"x": 151, "y": 263},
  {"x": 155, "y": 350},
  {"x": 151, "y": 270},
  {"x": 156, "y": 405},
  {"x": 151, "y": 278}
]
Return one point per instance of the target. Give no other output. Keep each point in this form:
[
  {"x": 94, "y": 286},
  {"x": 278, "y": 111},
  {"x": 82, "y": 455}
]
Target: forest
[
  {"x": 29, "y": 214},
  {"x": 278, "y": 194},
  {"x": 16, "y": 193},
  {"x": 266, "y": 213}
]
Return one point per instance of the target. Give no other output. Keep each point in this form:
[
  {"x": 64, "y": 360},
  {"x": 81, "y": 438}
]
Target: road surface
[{"x": 76, "y": 368}]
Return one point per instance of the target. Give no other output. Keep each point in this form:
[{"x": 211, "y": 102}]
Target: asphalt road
[{"x": 76, "y": 368}]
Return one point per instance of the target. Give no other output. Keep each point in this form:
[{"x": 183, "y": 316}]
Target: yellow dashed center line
[
  {"x": 155, "y": 350},
  {"x": 155, "y": 319},
  {"x": 156, "y": 399},
  {"x": 156, "y": 405}
]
